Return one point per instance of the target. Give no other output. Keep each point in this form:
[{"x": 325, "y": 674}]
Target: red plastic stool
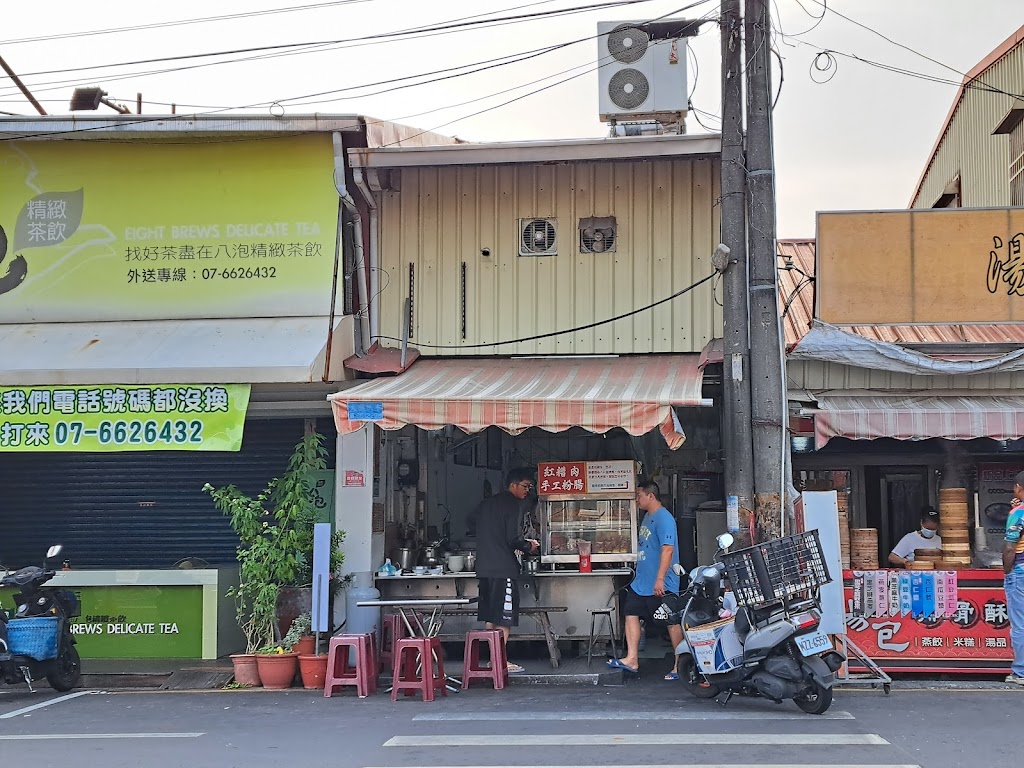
[
  {"x": 362, "y": 674},
  {"x": 392, "y": 630},
  {"x": 414, "y": 668},
  {"x": 472, "y": 669}
]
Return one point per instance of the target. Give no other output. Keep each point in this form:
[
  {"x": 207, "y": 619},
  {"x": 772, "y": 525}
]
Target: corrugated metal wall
[
  {"x": 969, "y": 148},
  {"x": 816, "y": 376},
  {"x": 136, "y": 510},
  {"x": 442, "y": 217}
]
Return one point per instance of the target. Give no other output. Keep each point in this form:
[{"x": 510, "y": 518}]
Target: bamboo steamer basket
[
  {"x": 953, "y": 495},
  {"x": 923, "y": 566},
  {"x": 927, "y": 555},
  {"x": 864, "y": 549},
  {"x": 844, "y": 528}
]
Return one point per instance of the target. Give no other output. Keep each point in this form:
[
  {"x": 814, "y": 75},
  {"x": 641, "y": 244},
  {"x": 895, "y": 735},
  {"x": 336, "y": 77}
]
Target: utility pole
[
  {"x": 769, "y": 426},
  {"x": 736, "y": 436}
]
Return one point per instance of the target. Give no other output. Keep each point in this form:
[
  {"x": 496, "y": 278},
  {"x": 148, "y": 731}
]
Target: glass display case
[{"x": 607, "y": 521}]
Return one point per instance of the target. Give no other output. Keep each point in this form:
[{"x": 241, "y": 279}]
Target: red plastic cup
[{"x": 584, "y": 549}]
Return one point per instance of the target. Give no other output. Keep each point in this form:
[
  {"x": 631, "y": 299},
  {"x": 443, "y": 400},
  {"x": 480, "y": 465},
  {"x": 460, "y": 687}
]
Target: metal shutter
[{"x": 135, "y": 510}]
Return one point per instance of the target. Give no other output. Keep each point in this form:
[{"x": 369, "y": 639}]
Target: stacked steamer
[
  {"x": 926, "y": 560},
  {"x": 864, "y": 549},
  {"x": 844, "y": 527},
  {"x": 953, "y": 522}
]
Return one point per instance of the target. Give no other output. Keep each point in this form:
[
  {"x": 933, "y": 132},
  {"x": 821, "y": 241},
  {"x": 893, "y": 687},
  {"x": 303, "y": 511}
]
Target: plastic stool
[
  {"x": 497, "y": 672},
  {"x": 392, "y": 630},
  {"x": 607, "y": 613},
  {"x": 362, "y": 674},
  {"x": 413, "y": 668}
]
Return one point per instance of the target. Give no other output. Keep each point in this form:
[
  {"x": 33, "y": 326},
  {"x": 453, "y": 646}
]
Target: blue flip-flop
[
  {"x": 617, "y": 664},
  {"x": 671, "y": 676}
]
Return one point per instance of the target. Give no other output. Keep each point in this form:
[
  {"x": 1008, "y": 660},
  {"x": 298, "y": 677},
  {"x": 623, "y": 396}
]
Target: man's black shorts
[
  {"x": 643, "y": 606},
  {"x": 498, "y": 602}
]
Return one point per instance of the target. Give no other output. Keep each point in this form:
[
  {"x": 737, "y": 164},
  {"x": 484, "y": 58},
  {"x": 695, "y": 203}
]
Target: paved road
[{"x": 650, "y": 725}]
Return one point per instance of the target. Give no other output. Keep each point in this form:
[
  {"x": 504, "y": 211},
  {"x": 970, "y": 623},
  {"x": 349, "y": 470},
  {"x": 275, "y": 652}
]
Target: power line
[
  {"x": 448, "y": 26},
  {"x": 326, "y": 46},
  {"x": 181, "y": 22},
  {"x": 577, "y": 329}
]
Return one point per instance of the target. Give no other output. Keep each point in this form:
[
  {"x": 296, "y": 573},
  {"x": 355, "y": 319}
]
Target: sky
[{"x": 849, "y": 135}]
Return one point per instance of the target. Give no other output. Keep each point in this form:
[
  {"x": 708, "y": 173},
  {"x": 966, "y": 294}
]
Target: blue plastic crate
[{"x": 35, "y": 637}]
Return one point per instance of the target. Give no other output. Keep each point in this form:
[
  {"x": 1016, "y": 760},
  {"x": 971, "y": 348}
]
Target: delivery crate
[
  {"x": 35, "y": 637},
  {"x": 776, "y": 569}
]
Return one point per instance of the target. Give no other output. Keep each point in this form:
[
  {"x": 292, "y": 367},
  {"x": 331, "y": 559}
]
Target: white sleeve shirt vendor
[{"x": 926, "y": 537}]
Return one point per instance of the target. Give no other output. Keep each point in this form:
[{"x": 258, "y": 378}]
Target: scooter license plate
[{"x": 815, "y": 642}]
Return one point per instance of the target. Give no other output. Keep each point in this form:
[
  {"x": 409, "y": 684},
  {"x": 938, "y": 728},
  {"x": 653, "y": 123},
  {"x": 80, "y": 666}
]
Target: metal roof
[
  {"x": 155, "y": 127},
  {"x": 976, "y": 72},
  {"x": 560, "y": 151},
  {"x": 796, "y": 288}
]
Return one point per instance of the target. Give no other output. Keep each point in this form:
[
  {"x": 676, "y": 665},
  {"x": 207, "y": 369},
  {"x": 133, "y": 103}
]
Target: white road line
[
  {"x": 641, "y": 739},
  {"x": 618, "y": 715},
  {"x": 75, "y": 736},
  {"x": 51, "y": 702}
]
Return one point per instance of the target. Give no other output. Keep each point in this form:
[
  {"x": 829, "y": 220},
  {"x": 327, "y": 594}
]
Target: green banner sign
[
  {"x": 113, "y": 418},
  {"x": 145, "y": 622}
]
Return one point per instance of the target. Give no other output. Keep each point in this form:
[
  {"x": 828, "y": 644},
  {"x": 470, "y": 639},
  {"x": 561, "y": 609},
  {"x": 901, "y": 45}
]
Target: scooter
[
  {"x": 772, "y": 649},
  {"x": 39, "y": 640}
]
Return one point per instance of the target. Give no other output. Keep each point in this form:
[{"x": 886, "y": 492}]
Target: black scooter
[{"x": 39, "y": 640}]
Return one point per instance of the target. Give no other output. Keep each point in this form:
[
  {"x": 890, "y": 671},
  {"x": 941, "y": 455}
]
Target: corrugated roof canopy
[
  {"x": 597, "y": 394},
  {"x": 905, "y": 417}
]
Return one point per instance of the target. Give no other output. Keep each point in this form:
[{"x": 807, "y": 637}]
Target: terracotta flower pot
[
  {"x": 313, "y": 670},
  {"x": 277, "y": 670},
  {"x": 305, "y": 646},
  {"x": 246, "y": 672}
]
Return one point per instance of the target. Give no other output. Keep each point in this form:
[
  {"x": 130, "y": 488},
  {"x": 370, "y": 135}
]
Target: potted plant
[
  {"x": 275, "y": 550},
  {"x": 299, "y": 637},
  {"x": 277, "y": 666}
]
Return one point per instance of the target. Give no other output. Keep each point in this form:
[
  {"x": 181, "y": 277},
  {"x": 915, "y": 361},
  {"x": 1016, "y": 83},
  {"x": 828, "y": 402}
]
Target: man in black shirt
[{"x": 499, "y": 540}]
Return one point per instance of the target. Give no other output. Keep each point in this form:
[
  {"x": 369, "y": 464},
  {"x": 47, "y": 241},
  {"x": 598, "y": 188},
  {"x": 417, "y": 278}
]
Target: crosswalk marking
[
  {"x": 644, "y": 739},
  {"x": 75, "y": 736},
  {"x": 619, "y": 716}
]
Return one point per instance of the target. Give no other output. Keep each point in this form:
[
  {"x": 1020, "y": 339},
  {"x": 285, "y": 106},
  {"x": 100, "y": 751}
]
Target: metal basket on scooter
[
  {"x": 777, "y": 569},
  {"x": 35, "y": 637}
]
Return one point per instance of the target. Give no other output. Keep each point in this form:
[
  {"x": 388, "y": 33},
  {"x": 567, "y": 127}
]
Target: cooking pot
[
  {"x": 431, "y": 556},
  {"x": 406, "y": 558}
]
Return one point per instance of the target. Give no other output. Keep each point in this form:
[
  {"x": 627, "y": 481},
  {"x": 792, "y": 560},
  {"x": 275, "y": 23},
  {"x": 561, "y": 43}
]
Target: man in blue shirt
[
  {"x": 1013, "y": 567},
  {"x": 657, "y": 553}
]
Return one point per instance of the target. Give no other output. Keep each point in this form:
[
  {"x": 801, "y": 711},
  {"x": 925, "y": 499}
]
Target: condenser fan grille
[
  {"x": 628, "y": 88},
  {"x": 537, "y": 238},
  {"x": 627, "y": 43}
]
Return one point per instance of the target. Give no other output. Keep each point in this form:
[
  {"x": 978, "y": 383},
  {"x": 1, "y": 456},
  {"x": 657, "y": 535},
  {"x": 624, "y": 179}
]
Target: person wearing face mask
[{"x": 926, "y": 537}]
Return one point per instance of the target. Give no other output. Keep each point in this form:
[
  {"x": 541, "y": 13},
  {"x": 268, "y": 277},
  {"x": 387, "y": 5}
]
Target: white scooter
[{"x": 768, "y": 647}]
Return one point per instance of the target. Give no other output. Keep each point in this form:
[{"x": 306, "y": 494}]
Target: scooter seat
[{"x": 22, "y": 577}]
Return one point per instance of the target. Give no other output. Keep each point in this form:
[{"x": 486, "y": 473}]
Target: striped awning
[
  {"x": 909, "y": 417},
  {"x": 554, "y": 394}
]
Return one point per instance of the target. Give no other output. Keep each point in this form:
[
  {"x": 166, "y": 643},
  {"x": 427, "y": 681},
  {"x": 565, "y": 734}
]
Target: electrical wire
[
  {"x": 577, "y": 329},
  {"x": 445, "y": 27},
  {"x": 166, "y": 118},
  {"x": 181, "y": 22},
  {"x": 319, "y": 47}
]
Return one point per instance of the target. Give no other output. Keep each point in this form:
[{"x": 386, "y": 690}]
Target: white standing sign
[
  {"x": 821, "y": 512},
  {"x": 610, "y": 476},
  {"x": 321, "y": 576}
]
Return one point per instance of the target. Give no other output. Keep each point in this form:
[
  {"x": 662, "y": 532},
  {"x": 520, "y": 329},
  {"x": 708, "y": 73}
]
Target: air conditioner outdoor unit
[
  {"x": 640, "y": 76},
  {"x": 538, "y": 237}
]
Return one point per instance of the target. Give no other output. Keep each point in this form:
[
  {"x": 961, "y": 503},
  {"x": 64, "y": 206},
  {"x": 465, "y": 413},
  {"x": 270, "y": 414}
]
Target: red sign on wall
[
  {"x": 976, "y": 638},
  {"x": 562, "y": 477}
]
